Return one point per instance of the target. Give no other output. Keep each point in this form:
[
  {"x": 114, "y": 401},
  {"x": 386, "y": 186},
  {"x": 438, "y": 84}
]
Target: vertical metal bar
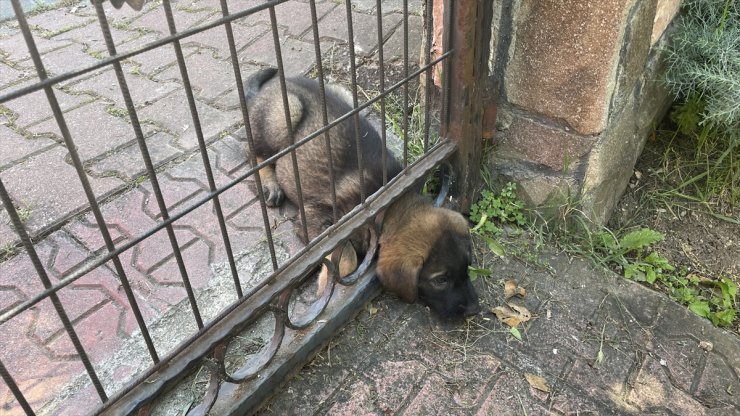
[
  {"x": 324, "y": 115},
  {"x": 288, "y": 123},
  {"x": 248, "y": 132},
  {"x": 356, "y": 117},
  {"x": 428, "y": 82},
  {"x": 381, "y": 63},
  {"x": 147, "y": 160},
  {"x": 90, "y": 195},
  {"x": 466, "y": 77},
  {"x": 405, "y": 85},
  {"x": 17, "y": 393},
  {"x": 202, "y": 146},
  {"x": 28, "y": 245},
  {"x": 447, "y": 66}
]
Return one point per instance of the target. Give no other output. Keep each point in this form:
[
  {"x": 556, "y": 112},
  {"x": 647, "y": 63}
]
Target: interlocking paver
[
  {"x": 50, "y": 189},
  {"x": 364, "y": 28},
  {"x": 15, "y": 49},
  {"x": 84, "y": 124},
  {"x": 210, "y": 77},
  {"x": 173, "y": 114},
  {"x": 143, "y": 91},
  {"x": 34, "y": 107},
  {"x": 67, "y": 59},
  {"x": 262, "y": 52},
  {"x": 401, "y": 359},
  {"x": 14, "y": 147},
  {"x": 128, "y": 162}
]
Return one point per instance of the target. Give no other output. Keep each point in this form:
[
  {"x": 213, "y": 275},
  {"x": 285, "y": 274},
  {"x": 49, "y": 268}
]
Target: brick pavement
[
  {"x": 394, "y": 367},
  {"x": 399, "y": 359},
  {"x": 36, "y": 169}
]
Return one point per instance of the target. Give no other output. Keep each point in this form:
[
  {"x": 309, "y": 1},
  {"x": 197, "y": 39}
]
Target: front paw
[{"x": 274, "y": 196}]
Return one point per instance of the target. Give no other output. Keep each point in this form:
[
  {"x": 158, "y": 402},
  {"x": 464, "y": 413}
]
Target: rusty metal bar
[
  {"x": 17, "y": 393},
  {"x": 465, "y": 75},
  {"x": 202, "y": 147},
  {"x": 98, "y": 260},
  {"x": 324, "y": 116},
  {"x": 288, "y": 123},
  {"x": 381, "y": 65},
  {"x": 176, "y": 364},
  {"x": 248, "y": 133},
  {"x": 356, "y": 116},
  {"x": 126, "y": 55}
]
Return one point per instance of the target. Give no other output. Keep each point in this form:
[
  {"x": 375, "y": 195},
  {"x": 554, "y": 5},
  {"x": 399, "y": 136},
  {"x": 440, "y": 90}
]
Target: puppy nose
[{"x": 472, "y": 309}]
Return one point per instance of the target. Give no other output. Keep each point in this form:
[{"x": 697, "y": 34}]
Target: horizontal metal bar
[
  {"x": 120, "y": 57},
  {"x": 98, "y": 260},
  {"x": 162, "y": 375}
]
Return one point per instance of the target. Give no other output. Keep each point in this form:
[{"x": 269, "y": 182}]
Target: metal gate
[{"x": 198, "y": 347}]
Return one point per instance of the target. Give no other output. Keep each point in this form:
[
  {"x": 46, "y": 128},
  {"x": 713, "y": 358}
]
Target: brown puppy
[{"x": 424, "y": 251}]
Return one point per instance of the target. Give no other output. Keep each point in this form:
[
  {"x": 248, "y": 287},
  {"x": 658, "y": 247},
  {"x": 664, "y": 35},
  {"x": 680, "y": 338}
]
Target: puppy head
[{"x": 427, "y": 258}]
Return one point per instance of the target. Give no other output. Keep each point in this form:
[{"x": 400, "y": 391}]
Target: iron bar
[
  {"x": 17, "y": 393},
  {"x": 36, "y": 261},
  {"x": 245, "y": 311},
  {"x": 288, "y": 123},
  {"x": 126, "y": 55},
  {"x": 254, "y": 170},
  {"x": 428, "y": 81},
  {"x": 381, "y": 64},
  {"x": 202, "y": 147},
  {"x": 250, "y": 139},
  {"x": 144, "y": 149},
  {"x": 356, "y": 116},
  {"x": 405, "y": 111},
  {"x": 324, "y": 112}
]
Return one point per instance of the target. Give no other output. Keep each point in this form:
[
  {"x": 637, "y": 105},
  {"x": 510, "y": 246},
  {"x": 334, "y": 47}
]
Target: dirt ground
[{"x": 694, "y": 238}]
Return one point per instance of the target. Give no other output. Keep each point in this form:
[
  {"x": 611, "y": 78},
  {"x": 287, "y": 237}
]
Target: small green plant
[
  {"x": 715, "y": 300},
  {"x": 7, "y": 251},
  {"x": 504, "y": 208}
]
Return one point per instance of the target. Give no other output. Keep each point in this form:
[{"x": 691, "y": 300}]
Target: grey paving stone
[
  {"x": 143, "y": 90},
  {"x": 393, "y": 47},
  {"x": 334, "y": 26},
  {"x": 210, "y": 77},
  {"x": 216, "y": 39},
  {"x": 173, "y": 114},
  {"x": 67, "y": 59},
  {"x": 34, "y": 107},
  {"x": 128, "y": 163},
  {"x": 293, "y": 17},
  {"x": 50, "y": 189},
  {"x": 298, "y": 56},
  {"x": 14, "y": 147},
  {"x": 84, "y": 124},
  {"x": 57, "y": 21},
  {"x": 15, "y": 49}
]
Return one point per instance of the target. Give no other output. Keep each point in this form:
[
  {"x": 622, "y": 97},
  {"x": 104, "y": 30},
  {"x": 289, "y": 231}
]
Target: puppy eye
[{"x": 440, "y": 281}]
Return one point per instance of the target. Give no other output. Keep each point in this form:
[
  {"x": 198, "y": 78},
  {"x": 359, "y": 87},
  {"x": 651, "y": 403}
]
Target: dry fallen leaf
[
  {"x": 511, "y": 314},
  {"x": 511, "y": 288},
  {"x": 537, "y": 382}
]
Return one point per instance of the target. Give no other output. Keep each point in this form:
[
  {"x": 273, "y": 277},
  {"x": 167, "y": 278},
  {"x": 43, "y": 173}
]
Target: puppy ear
[{"x": 400, "y": 275}]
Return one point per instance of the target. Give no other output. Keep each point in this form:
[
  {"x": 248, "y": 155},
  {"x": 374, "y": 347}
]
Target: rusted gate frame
[{"x": 458, "y": 123}]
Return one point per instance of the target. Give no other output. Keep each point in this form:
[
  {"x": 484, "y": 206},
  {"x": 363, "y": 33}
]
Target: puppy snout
[{"x": 473, "y": 308}]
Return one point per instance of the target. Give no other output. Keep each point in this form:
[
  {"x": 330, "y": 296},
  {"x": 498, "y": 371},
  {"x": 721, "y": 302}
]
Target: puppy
[{"x": 424, "y": 251}]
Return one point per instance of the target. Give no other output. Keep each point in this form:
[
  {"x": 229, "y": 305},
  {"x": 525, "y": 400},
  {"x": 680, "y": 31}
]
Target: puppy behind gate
[{"x": 424, "y": 251}]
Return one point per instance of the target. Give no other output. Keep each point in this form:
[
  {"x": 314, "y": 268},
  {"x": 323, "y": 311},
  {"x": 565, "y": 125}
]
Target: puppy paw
[{"x": 274, "y": 196}]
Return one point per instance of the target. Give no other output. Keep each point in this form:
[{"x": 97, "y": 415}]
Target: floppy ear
[{"x": 400, "y": 274}]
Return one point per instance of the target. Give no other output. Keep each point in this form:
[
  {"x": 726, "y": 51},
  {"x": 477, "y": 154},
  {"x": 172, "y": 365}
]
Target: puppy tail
[{"x": 255, "y": 82}]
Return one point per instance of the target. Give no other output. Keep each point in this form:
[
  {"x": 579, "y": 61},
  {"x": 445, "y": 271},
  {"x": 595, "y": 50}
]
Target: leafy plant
[
  {"x": 504, "y": 208},
  {"x": 704, "y": 75},
  {"x": 632, "y": 254}
]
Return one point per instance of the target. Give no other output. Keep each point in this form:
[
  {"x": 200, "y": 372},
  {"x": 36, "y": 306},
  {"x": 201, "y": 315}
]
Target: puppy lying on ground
[{"x": 424, "y": 251}]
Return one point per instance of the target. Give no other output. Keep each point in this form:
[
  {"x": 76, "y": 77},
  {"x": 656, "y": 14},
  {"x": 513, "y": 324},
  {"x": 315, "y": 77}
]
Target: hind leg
[{"x": 274, "y": 195}]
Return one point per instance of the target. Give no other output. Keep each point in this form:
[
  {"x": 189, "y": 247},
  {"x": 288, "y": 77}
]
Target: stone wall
[{"x": 578, "y": 93}]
